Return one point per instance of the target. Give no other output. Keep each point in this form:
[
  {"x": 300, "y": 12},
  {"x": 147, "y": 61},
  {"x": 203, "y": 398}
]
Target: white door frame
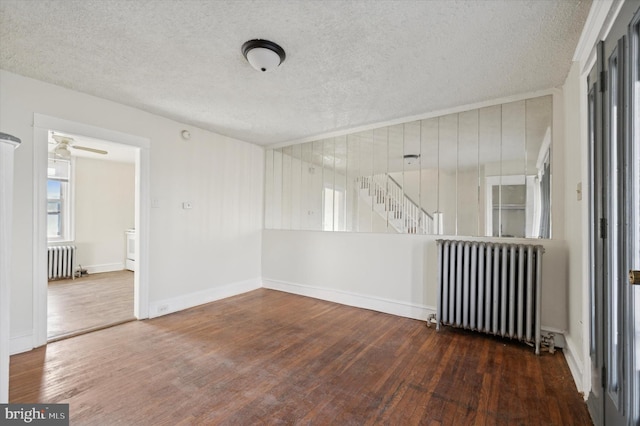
[
  {"x": 6, "y": 213},
  {"x": 41, "y": 125}
]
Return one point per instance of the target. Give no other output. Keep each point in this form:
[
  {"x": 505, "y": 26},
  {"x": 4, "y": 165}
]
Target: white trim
[
  {"x": 585, "y": 360},
  {"x": 591, "y": 30},
  {"x": 545, "y": 150},
  {"x": 432, "y": 114},
  {"x": 81, "y": 129},
  {"x": 142, "y": 225},
  {"x": 393, "y": 307},
  {"x": 605, "y": 14},
  {"x": 575, "y": 366},
  {"x": 186, "y": 301},
  {"x": 105, "y": 267},
  {"x": 41, "y": 125},
  {"x": 20, "y": 344},
  {"x": 40, "y": 242},
  {"x": 490, "y": 182},
  {"x": 7, "y": 148}
]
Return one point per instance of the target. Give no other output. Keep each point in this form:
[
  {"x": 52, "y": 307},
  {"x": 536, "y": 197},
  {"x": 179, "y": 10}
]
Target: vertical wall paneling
[{"x": 474, "y": 173}]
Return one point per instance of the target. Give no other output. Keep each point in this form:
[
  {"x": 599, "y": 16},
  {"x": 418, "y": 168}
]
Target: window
[
  {"x": 334, "y": 209},
  {"x": 59, "y": 224}
]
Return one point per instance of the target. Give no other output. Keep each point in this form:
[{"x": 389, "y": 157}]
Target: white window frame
[
  {"x": 532, "y": 209},
  {"x": 68, "y": 207}
]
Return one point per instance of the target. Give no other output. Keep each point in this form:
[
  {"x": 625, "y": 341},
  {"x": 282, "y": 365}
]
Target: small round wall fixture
[
  {"x": 186, "y": 135},
  {"x": 263, "y": 55}
]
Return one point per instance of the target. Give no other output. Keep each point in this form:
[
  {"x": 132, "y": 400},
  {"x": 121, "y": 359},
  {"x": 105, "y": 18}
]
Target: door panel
[
  {"x": 632, "y": 153},
  {"x": 596, "y": 257},
  {"x": 614, "y": 155},
  {"x": 613, "y": 199}
]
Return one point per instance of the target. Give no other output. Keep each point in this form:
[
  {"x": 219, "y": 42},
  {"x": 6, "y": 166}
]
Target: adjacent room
[
  {"x": 363, "y": 212},
  {"x": 90, "y": 234}
]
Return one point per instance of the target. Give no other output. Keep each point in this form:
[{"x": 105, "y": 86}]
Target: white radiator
[
  {"x": 491, "y": 287},
  {"x": 60, "y": 261}
]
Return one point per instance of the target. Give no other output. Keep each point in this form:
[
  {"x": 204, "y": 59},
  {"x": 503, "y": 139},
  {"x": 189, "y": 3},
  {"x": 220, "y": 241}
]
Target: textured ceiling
[{"x": 349, "y": 63}]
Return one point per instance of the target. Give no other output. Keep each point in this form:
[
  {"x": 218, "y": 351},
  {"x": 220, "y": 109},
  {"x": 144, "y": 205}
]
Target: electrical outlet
[
  {"x": 163, "y": 309},
  {"x": 187, "y": 205}
]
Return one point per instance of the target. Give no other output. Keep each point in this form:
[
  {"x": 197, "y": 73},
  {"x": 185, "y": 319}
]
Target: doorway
[
  {"x": 141, "y": 146},
  {"x": 90, "y": 219},
  {"x": 614, "y": 146}
]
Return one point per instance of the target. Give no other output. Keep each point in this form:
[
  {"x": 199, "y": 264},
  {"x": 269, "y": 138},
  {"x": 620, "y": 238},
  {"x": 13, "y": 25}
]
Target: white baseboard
[
  {"x": 107, "y": 267},
  {"x": 394, "y": 307},
  {"x": 167, "y": 306},
  {"x": 575, "y": 364},
  {"x": 20, "y": 344}
]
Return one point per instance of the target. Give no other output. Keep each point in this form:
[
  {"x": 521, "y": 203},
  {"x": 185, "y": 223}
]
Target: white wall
[
  {"x": 7, "y": 150},
  {"x": 201, "y": 252},
  {"x": 395, "y": 273},
  {"x": 104, "y": 209},
  {"x": 575, "y": 211}
]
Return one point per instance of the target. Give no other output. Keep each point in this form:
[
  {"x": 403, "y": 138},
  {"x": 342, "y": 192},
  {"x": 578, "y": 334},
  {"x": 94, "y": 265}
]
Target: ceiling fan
[{"x": 63, "y": 143}]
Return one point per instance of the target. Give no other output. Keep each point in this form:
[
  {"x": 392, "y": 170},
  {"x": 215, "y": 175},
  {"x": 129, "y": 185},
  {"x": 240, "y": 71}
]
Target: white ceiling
[{"x": 349, "y": 63}]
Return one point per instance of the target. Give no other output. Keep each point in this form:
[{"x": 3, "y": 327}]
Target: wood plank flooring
[
  {"x": 267, "y": 357},
  {"x": 89, "y": 303}
]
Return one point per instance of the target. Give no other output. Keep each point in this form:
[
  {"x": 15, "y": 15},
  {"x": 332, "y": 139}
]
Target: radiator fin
[{"x": 493, "y": 288}]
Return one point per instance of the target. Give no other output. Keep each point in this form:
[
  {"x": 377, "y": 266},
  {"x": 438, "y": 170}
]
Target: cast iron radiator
[
  {"x": 60, "y": 260},
  {"x": 490, "y": 287}
]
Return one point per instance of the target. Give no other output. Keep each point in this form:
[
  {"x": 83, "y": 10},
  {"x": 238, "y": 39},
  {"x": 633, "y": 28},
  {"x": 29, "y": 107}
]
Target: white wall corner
[
  {"x": 393, "y": 307},
  {"x": 186, "y": 301}
]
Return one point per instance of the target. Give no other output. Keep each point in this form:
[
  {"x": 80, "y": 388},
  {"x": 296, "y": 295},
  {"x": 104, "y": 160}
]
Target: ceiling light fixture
[
  {"x": 263, "y": 55},
  {"x": 411, "y": 158}
]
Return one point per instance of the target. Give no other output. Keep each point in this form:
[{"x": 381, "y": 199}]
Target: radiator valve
[
  {"x": 81, "y": 272},
  {"x": 549, "y": 342},
  {"x": 431, "y": 319}
]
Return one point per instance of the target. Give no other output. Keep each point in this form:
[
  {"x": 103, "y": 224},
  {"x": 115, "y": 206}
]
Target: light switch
[
  {"x": 155, "y": 203},
  {"x": 187, "y": 205}
]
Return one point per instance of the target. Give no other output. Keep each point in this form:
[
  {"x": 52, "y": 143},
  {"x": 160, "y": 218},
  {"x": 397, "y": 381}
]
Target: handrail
[
  {"x": 397, "y": 205},
  {"x": 408, "y": 198}
]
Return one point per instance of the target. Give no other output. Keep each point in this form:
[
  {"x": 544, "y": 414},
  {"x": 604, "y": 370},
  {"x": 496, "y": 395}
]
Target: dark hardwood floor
[
  {"x": 267, "y": 357},
  {"x": 89, "y": 303}
]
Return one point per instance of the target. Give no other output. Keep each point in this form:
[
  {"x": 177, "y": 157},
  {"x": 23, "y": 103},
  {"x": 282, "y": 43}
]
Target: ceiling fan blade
[
  {"x": 62, "y": 139},
  {"x": 85, "y": 148}
]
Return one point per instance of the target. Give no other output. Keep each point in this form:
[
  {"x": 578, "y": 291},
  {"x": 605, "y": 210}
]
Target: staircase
[{"x": 388, "y": 199}]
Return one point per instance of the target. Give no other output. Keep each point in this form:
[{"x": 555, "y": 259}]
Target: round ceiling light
[{"x": 263, "y": 55}]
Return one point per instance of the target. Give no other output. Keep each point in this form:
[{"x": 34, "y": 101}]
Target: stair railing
[{"x": 402, "y": 212}]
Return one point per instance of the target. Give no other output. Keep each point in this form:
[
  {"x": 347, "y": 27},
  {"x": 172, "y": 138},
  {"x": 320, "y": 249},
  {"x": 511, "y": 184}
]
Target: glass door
[
  {"x": 596, "y": 240},
  {"x": 633, "y": 215},
  {"x": 614, "y": 128}
]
